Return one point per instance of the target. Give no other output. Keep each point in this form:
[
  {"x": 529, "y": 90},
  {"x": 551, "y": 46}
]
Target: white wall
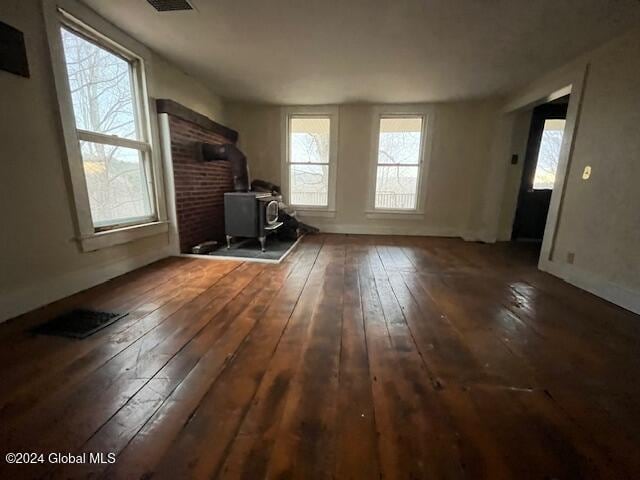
[
  {"x": 599, "y": 218},
  {"x": 170, "y": 82},
  {"x": 39, "y": 258},
  {"x": 519, "y": 138},
  {"x": 461, "y": 146}
]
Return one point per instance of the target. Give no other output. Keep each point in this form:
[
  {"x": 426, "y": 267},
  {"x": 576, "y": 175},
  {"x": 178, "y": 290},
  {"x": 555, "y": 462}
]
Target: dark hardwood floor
[{"x": 356, "y": 358}]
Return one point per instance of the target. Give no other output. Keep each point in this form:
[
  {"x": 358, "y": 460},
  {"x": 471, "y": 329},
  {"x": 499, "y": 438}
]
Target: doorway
[{"x": 539, "y": 170}]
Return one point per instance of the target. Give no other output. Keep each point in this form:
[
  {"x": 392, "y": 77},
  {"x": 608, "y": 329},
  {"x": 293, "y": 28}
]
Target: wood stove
[{"x": 250, "y": 214}]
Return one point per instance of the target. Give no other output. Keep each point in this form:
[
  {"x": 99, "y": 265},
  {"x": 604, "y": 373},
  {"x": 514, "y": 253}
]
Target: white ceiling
[{"x": 334, "y": 51}]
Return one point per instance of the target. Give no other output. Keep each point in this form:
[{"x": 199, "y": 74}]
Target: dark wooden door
[{"x": 533, "y": 203}]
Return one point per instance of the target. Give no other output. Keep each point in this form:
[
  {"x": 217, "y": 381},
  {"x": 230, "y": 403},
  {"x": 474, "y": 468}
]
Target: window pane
[
  {"x": 400, "y": 140},
  {"x": 117, "y": 183},
  {"x": 101, "y": 88},
  {"x": 309, "y": 185},
  {"x": 309, "y": 140},
  {"x": 548, "y": 155},
  {"x": 396, "y": 187}
]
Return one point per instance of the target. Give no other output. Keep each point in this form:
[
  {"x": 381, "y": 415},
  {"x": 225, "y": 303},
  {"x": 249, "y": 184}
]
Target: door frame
[
  {"x": 541, "y": 113},
  {"x": 571, "y": 81}
]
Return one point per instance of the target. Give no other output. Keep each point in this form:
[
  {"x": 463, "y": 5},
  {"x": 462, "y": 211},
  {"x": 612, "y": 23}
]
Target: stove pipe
[{"x": 229, "y": 152}]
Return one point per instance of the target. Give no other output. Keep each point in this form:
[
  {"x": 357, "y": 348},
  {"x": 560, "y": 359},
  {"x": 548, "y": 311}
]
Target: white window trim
[
  {"x": 332, "y": 112},
  {"x": 428, "y": 123},
  {"x": 84, "y": 18}
]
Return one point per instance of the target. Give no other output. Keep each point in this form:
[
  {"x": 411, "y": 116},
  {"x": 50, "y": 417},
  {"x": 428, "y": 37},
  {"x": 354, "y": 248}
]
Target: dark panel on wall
[{"x": 13, "y": 54}]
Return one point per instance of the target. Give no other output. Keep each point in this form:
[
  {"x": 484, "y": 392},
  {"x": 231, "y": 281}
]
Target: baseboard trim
[
  {"x": 18, "y": 302},
  {"x": 359, "y": 229},
  {"x": 610, "y": 291}
]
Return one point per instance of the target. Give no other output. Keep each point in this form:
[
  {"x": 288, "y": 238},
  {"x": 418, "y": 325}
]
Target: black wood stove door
[{"x": 241, "y": 216}]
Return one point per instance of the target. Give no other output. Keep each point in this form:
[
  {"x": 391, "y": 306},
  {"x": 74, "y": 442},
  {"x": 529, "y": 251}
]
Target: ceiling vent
[{"x": 170, "y": 5}]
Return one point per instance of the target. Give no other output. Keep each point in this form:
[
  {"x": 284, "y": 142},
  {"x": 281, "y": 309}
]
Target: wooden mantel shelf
[{"x": 164, "y": 105}]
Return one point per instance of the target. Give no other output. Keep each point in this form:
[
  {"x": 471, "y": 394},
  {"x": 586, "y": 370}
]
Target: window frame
[
  {"x": 330, "y": 112},
  {"x": 402, "y": 111},
  {"x": 84, "y": 22}
]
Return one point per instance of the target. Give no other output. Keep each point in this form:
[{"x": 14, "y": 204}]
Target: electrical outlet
[
  {"x": 514, "y": 159},
  {"x": 570, "y": 257},
  {"x": 586, "y": 174}
]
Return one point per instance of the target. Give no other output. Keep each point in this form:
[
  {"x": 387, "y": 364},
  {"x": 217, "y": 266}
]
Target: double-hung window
[
  {"x": 108, "y": 134},
  {"x": 399, "y": 159},
  {"x": 309, "y": 166}
]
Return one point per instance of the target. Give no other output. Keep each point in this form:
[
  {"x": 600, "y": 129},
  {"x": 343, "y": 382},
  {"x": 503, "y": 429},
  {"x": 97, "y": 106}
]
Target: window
[
  {"x": 309, "y": 161},
  {"x": 548, "y": 155},
  {"x": 398, "y": 162},
  {"x": 310, "y": 158},
  {"x": 101, "y": 86},
  {"x": 113, "y": 148}
]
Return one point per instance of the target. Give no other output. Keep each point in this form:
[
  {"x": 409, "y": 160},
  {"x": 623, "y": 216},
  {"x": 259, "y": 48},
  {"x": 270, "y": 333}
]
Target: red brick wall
[{"x": 199, "y": 185}]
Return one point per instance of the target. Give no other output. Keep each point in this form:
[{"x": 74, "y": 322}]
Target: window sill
[
  {"x": 97, "y": 241},
  {"x": 404, "y": 214},
  {"x": 314, "y": 212}
]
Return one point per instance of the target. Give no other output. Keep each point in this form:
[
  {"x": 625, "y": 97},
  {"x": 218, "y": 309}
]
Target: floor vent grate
[{"x": 78, "y": 323}]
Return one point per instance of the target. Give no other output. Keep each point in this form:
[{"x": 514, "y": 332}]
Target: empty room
[{"x": 320, "y": 239}]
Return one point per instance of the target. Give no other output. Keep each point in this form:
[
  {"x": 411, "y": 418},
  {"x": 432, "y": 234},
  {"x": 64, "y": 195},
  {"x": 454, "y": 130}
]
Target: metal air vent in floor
[{"x": 78, "y": 323}]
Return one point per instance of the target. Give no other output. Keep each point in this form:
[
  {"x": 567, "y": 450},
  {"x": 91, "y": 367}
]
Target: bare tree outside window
[
  {"x": 548, "y": 155},
  {"x": 104, "y": 104},
  {"x": 309, "y": 144},
  {"x": 399, "y": 149}
]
